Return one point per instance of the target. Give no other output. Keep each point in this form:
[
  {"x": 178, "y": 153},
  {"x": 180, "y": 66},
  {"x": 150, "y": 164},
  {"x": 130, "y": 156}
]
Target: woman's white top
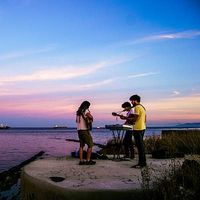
[{"x": 81, "y": 124}]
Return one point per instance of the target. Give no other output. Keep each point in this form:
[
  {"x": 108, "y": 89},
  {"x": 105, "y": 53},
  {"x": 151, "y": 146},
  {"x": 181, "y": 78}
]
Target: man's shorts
[{"x": 85, "y": 138}]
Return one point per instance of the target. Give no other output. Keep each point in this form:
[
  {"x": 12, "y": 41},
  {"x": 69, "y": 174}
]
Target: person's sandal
[{"x": 90, "y": 162}]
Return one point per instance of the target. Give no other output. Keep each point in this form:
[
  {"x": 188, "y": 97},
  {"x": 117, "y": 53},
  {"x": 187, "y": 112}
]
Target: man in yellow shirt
[{"x": 139, "y": 127}]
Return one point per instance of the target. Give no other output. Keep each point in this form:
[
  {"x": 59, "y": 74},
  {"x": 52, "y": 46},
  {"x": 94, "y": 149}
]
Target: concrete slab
[{"x": 107, "y": 179}]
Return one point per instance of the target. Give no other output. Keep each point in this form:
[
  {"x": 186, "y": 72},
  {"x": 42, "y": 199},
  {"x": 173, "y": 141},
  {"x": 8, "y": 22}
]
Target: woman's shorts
[{"x": 85, "y": 138}]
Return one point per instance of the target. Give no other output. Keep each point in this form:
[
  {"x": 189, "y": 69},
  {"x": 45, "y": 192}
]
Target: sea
[{"x": 20, "y": 144}]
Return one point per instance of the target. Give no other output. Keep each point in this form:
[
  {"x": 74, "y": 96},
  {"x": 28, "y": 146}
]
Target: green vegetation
[{"x": 174, "y": 144}]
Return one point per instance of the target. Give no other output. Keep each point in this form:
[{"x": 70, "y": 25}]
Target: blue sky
[{"x": 55, "y": 54}]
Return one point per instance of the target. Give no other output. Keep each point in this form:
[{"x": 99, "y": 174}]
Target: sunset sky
[{"x": 54, "y": 54}]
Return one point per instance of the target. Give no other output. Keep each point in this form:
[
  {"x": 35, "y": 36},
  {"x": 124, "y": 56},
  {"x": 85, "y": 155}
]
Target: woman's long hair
[{"x": 83, "y": 107}]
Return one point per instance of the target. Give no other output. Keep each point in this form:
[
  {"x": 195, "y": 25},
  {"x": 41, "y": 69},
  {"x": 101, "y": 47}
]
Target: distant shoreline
[{"x": 66, "y": 128}]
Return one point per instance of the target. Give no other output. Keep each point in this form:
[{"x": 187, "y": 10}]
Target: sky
[{"x": 54, "y": 54}]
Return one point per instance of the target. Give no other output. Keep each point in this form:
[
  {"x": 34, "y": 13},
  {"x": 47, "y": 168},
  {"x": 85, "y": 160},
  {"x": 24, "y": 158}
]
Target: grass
[
  {"x": 175, "y": 144},
  {"x": 178, "y": 182}
]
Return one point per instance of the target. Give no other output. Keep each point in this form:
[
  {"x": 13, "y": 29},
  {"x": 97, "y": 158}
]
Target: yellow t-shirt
[{"x": 140, "y": 124}]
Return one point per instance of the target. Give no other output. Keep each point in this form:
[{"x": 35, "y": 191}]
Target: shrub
[
  {"x": 179, "y": 182},
  {"x": 174, "y": 144}
]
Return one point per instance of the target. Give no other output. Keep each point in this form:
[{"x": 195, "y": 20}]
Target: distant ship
[
  {"x": 59, "y": 126},
  {"x": 3, "y": 126}
]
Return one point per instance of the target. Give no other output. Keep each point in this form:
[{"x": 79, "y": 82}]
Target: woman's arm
[{"x": 88, "y": 115}]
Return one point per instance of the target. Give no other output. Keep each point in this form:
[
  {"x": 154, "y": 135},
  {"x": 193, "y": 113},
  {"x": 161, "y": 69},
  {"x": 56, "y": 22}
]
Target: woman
[{"x": 84, "y": 121}]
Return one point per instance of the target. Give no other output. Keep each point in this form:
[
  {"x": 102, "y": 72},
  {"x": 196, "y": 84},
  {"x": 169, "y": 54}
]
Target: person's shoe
[
  {"x": 82, "y": 162},
  {"x": 90, "y": 162},
  {"x": 138, "y": 166}
]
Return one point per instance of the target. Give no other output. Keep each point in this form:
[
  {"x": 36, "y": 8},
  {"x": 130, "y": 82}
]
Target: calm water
[{"x": 19, "y": 144}]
